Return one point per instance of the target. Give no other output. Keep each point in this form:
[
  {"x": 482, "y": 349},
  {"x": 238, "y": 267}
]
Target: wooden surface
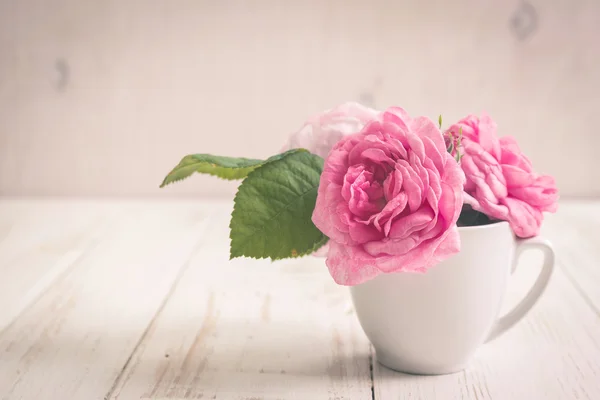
[{"x": 137, "y": 300}]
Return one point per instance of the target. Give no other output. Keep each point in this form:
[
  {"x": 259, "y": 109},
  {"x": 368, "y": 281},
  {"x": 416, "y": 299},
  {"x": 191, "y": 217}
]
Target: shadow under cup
[{"x": 432, "y": 323}]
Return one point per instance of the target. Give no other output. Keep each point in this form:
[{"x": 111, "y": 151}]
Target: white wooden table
[{"x": 137, "y": 300}]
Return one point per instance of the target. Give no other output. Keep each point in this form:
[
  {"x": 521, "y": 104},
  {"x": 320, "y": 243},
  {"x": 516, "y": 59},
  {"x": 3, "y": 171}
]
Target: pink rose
[
  {"x": 388, "y": 199},
  {"x": 501, "y": 182},
  {"x": 321, "y": 132}
]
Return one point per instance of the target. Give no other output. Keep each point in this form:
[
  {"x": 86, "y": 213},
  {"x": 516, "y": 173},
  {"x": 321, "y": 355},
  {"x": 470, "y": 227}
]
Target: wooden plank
[
  {"x": 75, "y": 340},
  {"x": 575, "y": 231},
  {"x": 39, "y": 241},
  {"x": 251, "y": 329},
  {"x": 552, "y": 353}
]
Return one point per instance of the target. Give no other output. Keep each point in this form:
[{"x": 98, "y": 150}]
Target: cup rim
[{"x": 483, "y": 227}]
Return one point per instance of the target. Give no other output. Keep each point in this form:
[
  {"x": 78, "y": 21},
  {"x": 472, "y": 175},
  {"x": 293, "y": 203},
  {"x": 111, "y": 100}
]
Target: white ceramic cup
[{"x": 433, "y": 323}]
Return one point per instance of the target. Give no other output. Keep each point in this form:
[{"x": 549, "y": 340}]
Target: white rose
[{"x": 321, "y": 132}]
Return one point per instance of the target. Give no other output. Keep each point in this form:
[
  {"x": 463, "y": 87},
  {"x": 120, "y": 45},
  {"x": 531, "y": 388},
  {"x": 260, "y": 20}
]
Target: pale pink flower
[
  {"x": 321, "y": 132},
  {"x": 501, "y": 182},
  {"x": 388, "y": 199}
]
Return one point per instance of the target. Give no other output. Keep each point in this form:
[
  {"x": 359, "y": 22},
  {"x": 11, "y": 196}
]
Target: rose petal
[
  {"x": 449, "y": 246},
  {"x": 378, "y": 156},
  {"x": 524, "y": 220},
  {"x": 413, "y": 186},
  {"x": 393, "y": 208},
  {"x": 429, "y": 134},
  {"x": 397, "y": 116},
  {"x": 512, "y": 154},
  {"x": 403, "y": 227},
  {"x": 361, "y": 233},
  {"x": 434, "y": 155},
  {"x": 416, "y": 145},
  {"x": 392, "y": 184},
  {"x": 487, "y": 136},
  {"x": 516, "y": 177},
  {"x": 391, "y": 247},
  {"x": 350, "y": 265}
]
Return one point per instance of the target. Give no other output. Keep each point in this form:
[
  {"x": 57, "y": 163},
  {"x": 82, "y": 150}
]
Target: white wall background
[{"x": 104, "y": 97}]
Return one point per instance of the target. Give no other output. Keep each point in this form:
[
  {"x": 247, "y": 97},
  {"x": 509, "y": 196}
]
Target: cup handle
[{"x": 512, "y": 317}]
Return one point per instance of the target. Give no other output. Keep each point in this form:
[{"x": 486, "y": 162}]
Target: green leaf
[
  {"x": 229, "y": 168},
  {"x": 273, "y": 208}
]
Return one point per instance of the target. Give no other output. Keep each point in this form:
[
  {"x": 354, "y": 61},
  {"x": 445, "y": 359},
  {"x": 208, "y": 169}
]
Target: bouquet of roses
[{"x": 378, "y": 192}]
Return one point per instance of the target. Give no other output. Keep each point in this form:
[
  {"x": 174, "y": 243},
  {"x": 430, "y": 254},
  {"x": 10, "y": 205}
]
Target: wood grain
[
  {"x": 251, "y": 330},
  {"x": 575, "y": 232},
  {"x": 137, "y": 300},
  {"x": 40, "y": 241},
  {"x": 75, "y": 340}
]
